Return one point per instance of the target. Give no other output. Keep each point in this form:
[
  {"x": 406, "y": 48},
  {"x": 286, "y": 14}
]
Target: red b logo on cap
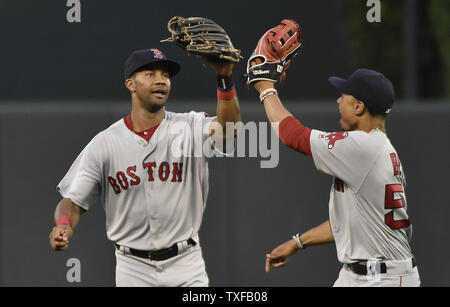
[{"x": 158, "y": 54}]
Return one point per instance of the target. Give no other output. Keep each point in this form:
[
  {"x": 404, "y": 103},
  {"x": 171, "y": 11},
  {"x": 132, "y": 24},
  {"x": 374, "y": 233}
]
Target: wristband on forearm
[
  {"x": 297, "y": 239},
  {"x": 225, "y": 84},
  {"x": 267, "y": 93},
  {"x": 225, "y": 88},
  {"x": 64, "y": 220}
]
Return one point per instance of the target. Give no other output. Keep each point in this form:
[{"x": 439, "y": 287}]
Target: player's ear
[
  {"x": 130, "y": 85},
  {"x": 359, "y": 107}
]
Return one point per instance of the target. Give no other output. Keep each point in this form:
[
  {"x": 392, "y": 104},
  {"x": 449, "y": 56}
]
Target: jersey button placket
[
  {"x": 146, "y": 157},
  {"x": 140, "y": 140}
]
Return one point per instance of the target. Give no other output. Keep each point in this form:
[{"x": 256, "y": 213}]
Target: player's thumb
[{"x": 66, "y": 233}]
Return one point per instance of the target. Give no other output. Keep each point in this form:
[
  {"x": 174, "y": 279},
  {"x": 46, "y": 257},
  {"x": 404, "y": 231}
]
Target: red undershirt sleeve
[{"x": 294, "y": 135}]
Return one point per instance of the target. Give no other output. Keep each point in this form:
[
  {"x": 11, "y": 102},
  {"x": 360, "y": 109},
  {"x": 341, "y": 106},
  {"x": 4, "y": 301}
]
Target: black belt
[
  {"x": 360, "y": 268},
  {"x": 158, "y": 255}
]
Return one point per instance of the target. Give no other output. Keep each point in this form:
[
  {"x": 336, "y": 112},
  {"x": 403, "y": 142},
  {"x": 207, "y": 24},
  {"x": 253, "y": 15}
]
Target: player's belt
[
  {"x": 159, "y": 255},
  {"x": 360, "y": 268}
]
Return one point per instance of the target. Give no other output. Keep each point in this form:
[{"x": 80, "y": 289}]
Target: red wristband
[
  {"x": 222, "y": 95},
  {"x": 64, "y": 220}
]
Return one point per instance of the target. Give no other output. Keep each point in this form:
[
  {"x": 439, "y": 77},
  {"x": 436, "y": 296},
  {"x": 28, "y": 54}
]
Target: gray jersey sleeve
[
  {"x": 82, "y": 183},
  {"x": 348, "y": 156}
]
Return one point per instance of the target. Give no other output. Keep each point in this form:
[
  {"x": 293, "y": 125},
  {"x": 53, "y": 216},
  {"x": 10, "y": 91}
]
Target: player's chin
[{"x": 156, "y": 105}]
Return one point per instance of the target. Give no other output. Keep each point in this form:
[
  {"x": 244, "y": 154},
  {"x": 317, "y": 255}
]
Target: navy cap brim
[
  {"x": 339, "y": 83},
  {"x": 173, "y": 68}
]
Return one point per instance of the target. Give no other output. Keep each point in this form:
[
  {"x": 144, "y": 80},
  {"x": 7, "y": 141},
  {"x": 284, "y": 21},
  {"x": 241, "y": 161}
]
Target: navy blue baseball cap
[
  {"x": 370, "y": 87},
  {"x": 141, "y": 59}
]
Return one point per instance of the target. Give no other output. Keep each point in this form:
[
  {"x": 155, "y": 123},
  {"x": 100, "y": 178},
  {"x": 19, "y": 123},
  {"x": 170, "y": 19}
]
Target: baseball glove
[
  {"x": 276, "y": 49},
  {"x": 204, "y": 38}
]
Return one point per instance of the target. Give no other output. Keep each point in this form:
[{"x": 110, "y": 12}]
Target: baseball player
[
  {"x": 149, "y": 170},
  {"x": 368, "y": 218},
  {"x": 368, "y": 209}
]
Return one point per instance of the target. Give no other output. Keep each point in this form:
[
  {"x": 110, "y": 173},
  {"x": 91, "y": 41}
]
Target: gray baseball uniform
[
  {"x": 154, "y": 195},
  {"x": 368, "y": 209}
]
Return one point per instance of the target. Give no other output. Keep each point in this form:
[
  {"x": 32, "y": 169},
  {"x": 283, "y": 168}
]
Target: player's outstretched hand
[
  {"x": 262, "y": 85},
  {"x": 222, "y": 69},
  {"x": 59, "y": 237},
  {"x": 276, "y": 49},
  {"x": 279, "y": 256}
]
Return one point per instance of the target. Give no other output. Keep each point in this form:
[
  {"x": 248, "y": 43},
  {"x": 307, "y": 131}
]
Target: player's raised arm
[
  {"x": 265, "y": 69},
  {"x": 275, "y": 110},
  {"x": 228, "y": 110},
  {"x": 67, "y": 215},
  {"x": 210, "y": 42}
]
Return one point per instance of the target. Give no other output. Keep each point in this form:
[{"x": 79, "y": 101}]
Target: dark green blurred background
[
  {"x": 412, "y": 43},
  {"x": 43, "y": 57}
]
